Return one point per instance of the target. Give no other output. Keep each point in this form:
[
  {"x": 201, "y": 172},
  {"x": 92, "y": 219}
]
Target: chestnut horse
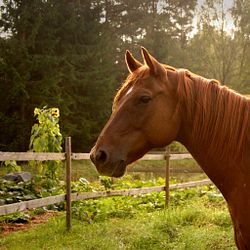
[{"x": 158, "y": 104}]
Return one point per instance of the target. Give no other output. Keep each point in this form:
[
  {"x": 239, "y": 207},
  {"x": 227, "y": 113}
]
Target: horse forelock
[
  {"x": 131, "y": 80},
  {"x": 220, "y": 116}
]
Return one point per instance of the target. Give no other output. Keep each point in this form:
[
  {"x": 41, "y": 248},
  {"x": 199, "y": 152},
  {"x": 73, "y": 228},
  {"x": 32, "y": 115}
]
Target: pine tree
[{"x": 55, "y": 56}]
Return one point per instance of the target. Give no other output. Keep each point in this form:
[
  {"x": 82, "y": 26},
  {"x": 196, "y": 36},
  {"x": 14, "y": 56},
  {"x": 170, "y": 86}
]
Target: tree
[
  {"x": 240, "y": 12},
  {"x": 212, "y": 46},
  {"x": 160, "y": 25},
  {"x": 25, "y": 75},
  {"x": 70, "y": 55},
  {"x": 55, "y": 55}
]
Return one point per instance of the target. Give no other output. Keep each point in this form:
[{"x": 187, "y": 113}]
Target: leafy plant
[
  {"x": 11, "y": 166},
  {"x": 19, "y": 217},
  {"x": 177, "y": 147},
  {"x": 122, "y": 206},
  {"x": 46, "y": 137},
  {"x": 107, "y": 182},
  {"x": 81, "y": 186},
  {"x": 12, "y": 192}
]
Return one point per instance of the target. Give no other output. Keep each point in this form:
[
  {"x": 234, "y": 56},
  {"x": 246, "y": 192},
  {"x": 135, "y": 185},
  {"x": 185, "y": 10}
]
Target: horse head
[{"x": 144, "y": 116}]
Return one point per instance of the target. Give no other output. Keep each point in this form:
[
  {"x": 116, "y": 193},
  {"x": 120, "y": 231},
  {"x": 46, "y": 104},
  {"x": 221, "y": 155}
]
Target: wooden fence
[{"x": 68, "y": 156}]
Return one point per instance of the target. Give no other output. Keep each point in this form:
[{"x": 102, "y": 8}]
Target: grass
[
  {"x": 87, "y": 170},
  {"x": 199, "y": 224},
  {"x": 84, "y": 169}
]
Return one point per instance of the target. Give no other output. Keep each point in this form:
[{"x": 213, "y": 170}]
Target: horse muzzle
[{"x": 106, "y": 164}]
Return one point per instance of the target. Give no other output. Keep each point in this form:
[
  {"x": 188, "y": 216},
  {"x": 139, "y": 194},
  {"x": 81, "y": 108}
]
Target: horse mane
[{"x": 221, "y": 127}]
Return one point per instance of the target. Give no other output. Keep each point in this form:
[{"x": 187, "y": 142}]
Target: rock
[{"x": 18, "y": 177}]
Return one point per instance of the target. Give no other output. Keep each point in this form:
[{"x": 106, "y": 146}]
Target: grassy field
[{"x": 199, "y": 224}]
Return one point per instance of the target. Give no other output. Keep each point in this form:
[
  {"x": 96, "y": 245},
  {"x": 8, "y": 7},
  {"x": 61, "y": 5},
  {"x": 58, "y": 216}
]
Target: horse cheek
[{"x": 163, "y": 129}]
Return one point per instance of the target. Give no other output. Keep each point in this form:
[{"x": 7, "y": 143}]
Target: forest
[{"x": 69, "y": 54}]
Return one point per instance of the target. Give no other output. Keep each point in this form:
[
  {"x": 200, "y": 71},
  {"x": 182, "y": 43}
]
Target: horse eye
[{"x": 145, "y": 99}]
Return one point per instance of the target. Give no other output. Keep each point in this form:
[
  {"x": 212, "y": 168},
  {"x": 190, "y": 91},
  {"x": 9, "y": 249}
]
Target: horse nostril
[{"x": 101, "y": 156}]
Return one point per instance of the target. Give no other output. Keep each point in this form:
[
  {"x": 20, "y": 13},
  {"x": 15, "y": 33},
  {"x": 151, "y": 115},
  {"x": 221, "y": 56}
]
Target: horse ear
[
  {"x": 131, "y": 62},
  {"x": 155, "y": 67}
]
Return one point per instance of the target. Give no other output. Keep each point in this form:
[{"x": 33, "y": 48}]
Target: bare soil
[{"x": 7, "y": 228}]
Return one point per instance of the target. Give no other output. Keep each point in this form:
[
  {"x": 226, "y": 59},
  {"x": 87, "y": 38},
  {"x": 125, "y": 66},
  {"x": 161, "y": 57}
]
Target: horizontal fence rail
[
  {"x": 68, "y": 156},
  {"x": 30, "y": 156},
  {"x": 23, "y": 205}
]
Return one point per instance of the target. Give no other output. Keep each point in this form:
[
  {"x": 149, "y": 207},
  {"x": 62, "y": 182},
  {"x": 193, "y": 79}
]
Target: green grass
[
  {"x": 199, "y": 224},
  {"x": 84, "y": 169},
  {"x": 87, "y": 170}
]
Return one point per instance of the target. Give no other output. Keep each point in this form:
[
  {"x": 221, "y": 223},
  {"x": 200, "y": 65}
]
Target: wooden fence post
[
  {"x": 167, "y": 174},
  {"x": 68, "y": 182}
]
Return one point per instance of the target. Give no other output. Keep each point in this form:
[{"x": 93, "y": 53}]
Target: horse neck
[{"x": 214, "y": 125}]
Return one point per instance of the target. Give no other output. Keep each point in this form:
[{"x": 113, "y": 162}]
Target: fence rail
[
  {"x": 30, "y": 156},
  {"x": 23, "y": 205},
  {"x": 68, "y": 156}
]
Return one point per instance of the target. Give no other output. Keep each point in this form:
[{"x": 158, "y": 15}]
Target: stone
[{"x": 18, "y": 177}]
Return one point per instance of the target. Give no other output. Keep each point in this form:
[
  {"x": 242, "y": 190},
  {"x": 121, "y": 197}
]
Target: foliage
[
  {"x": 50, "y": 57},
  {"x": 10, "y": 166},
  {"x": 107, "y": 183},
  {"x": 177, "y": 147},
  {"x": 70, "y": 55},
  {"x": 12, "y": 192},
  {"x": 104, "y": 208},
  {"x": 82, "y": 185},
  {"x": 46, "y": 137},
  {"x": 118, "y": 207},
  {"x": 16, "y": 218},
  {"x": 240, "y": 13}
]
